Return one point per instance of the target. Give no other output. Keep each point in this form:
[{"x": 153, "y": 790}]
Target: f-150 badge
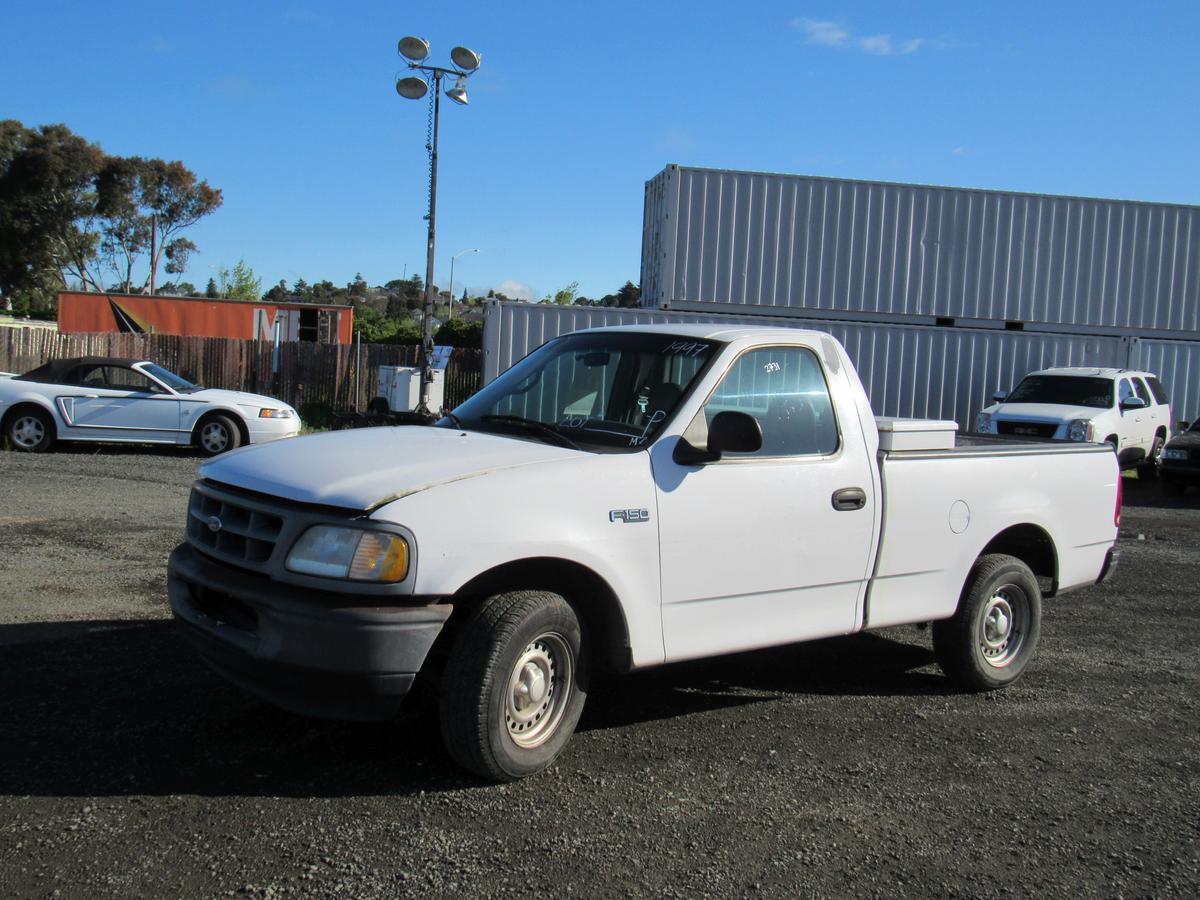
[{"x": 629, "y": 516}]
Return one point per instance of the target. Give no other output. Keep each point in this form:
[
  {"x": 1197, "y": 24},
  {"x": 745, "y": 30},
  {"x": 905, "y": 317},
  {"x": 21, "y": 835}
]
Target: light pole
[
  {"x": 452, "y": 259},
  {"x": 414, "y": 87}
]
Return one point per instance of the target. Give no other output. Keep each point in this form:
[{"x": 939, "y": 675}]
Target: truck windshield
[
  {"x": 1066, "y": 390},
  {"x": 598, "y": 390}
]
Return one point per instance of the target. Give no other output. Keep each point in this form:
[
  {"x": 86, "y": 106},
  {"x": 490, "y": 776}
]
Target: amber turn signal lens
[{"x": 380, "y": 557}]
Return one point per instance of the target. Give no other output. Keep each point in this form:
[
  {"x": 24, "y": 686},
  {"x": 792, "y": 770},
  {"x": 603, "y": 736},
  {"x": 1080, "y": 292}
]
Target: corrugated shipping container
[
  {"x": 796, "y": 245},
  {"x": 939, "y": 373},
  {"x": 1177, "y": 364}
]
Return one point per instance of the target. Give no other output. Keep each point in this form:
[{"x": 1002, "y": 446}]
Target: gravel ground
[{"x": 841, "y": 767}]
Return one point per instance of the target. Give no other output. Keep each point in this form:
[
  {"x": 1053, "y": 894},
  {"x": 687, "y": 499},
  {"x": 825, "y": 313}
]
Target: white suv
[{"x": 1128, "y": 409}]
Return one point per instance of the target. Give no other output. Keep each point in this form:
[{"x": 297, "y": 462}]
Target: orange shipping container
[{"x": 91, "y": 312}]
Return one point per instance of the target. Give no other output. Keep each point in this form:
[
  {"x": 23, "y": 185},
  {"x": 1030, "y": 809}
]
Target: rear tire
[
  {"x": 514, "y": 685},
  {"x": 1148, "y": 470},
  {"x": 30, "y": 430},
  {"x": 988, "y": 642},
  {"x": 216, "y": 435}
]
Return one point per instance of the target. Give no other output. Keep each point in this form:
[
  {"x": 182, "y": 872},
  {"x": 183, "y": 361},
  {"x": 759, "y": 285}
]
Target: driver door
[
  {"x": 761, "y": 548},
  {"x": 113, "y": 402}
]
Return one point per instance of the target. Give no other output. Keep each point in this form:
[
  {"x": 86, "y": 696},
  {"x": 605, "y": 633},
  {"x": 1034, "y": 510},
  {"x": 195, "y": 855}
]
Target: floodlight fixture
[
  {"x": 458, "y": 93},
  {"x": 411, "y": 88},
  {"x": 465, "y": 59},
  {"x": 413, "y": 48}
]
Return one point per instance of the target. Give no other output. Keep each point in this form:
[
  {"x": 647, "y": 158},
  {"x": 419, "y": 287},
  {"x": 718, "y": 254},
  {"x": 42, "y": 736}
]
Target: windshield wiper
[{"x": 534, "y": 426}]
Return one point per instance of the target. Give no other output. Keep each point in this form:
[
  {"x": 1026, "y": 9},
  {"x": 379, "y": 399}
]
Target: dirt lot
[{"x": 843, "y": 767}]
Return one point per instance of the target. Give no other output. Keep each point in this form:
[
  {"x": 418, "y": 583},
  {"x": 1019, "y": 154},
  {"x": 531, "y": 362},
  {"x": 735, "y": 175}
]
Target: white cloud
[
  {"x": 959, "y": 151},
  {"x": 160, "y": 46},
  {"x": 514, "y": 290},
  {"x": 825, "y": 33}
]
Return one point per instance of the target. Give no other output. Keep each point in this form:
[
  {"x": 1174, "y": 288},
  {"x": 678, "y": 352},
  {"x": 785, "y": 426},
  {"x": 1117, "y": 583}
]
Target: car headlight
[
  {"x": 1080, "y": 430},
  {"x": 355, "y": 554},
  {"x": 1170, "y": 453},
  {"x": 983, "y": 422},
  {"x": 275, "y": 414}
]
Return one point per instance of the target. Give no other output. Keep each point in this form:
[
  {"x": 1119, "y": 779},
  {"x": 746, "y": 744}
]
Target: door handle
[
  {"x": 848, "y": 499},
  {"x": 91, "y": 396}
]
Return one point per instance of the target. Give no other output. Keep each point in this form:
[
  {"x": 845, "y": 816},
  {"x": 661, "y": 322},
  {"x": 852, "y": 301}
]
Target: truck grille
[
  {"x": 1027, "y": 429},
  {"x": 238, "y": 530}
]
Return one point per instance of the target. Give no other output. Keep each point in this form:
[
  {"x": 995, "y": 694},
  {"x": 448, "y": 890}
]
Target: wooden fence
[{"x": 316, "y": 379}]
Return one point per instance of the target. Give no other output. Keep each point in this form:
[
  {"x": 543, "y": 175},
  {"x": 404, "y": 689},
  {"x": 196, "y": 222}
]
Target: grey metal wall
[
  {"x": 785, "y": 243},
  {"x": 1177, "y": 364},
  {"x": 917, "y": 371}
]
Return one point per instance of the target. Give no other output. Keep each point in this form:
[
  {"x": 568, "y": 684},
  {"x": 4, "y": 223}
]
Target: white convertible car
[{"x": 135, "y": 402}]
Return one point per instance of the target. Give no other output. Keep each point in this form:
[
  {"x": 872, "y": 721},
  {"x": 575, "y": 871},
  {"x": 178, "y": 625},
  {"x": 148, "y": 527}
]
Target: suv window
[
  {"x": 1160, "y": 393},
  {"x": 1143, "y": 391},
  {"x": 785, "y": 390},
  {"x": 1124, "y": 391}
]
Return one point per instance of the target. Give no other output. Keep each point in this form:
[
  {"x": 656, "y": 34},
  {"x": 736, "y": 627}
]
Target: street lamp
[
  {"x": 465, "y": 63},
  {"x": 452, "y": 259}
]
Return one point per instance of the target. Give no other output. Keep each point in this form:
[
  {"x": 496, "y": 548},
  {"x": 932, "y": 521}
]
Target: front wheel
[
  {"x": 514, "y": 685},
  {"x": 217, "y": 434},
  {"x": 988, "y": 642}
]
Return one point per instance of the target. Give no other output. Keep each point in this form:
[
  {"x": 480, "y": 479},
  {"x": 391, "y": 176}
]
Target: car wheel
[
  {"x": 514, "y": 685},
  {"x": 30, "y": 430},
  {"x": 216, "y": 435},
  {"x": 988, "y": 642},
  {"x": 1148, "y": 470}
]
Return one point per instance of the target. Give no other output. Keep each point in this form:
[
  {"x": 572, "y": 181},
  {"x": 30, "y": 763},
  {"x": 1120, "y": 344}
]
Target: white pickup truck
[{"x": 624, "y": 498}]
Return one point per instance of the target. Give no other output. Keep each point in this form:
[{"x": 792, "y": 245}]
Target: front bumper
[
  {"x": 312, "y": 652},
  {"x": 263, "y": 431},
  {"x": 1182, "y": 471}
]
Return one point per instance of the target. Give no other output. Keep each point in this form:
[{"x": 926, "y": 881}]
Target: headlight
[
  {"x": 1174, "y": 454},
  {"x": 983, "y": 423},
  {"x": 351, "y": 553},
  {"x": 275, "y": 414},
  {"x": 1079, "y": 430}
]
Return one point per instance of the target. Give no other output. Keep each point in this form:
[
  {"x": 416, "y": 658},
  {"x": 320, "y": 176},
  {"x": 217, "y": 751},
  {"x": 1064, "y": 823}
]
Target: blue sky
[{"x": 290, "y": 109}]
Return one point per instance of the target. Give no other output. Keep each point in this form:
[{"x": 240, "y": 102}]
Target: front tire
[
  {"x": 988, "y": 642},
  {"x": 216, "y": 435},
  {"x": 514, "y": 685},
  {"x": 30, "y": 430}
]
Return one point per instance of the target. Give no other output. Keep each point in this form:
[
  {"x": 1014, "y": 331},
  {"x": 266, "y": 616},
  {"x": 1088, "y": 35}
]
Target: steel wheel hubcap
[
  {"x": 214, "y": 437},
  {"x": 1003, "y": 626},
  {"x": 28, "y": 431},
  {"x": 538, "y": 688}
]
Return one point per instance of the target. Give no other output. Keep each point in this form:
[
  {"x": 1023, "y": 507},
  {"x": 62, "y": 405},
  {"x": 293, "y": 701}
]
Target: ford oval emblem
[{"x": 214, "y": 524}]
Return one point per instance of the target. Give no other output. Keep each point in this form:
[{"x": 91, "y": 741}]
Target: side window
[
  {"x": 784, "y": 389},
  {"x": 1124, "y": 391},
  {"x": 1143, "y": 391},
  {"x": 88, "y": 376},
  {"x": 119, "y": 378},
  {"x": 1156, "y": 388}
]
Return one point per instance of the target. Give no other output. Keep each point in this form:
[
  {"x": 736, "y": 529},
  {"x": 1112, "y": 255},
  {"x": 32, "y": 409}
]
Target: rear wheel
[
  {"x": 514, "y": 685},
  {"x": 988, "y": 642},
  {"x": 1148, "y": 470},
  {"x": 30, "y": 430},
  {"x": 217, "y": 434}
]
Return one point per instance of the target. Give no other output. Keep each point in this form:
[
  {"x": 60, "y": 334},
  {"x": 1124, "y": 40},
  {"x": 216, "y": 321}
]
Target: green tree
[
  {"x": 239, "y": 282},
  {"x": 373, "y": 326},
  {"x": 564, "y": 296},
  {"x": 212, "y": 291},
  {"x": 47, "y": 209},
  {"x": 457, "y": 333}
]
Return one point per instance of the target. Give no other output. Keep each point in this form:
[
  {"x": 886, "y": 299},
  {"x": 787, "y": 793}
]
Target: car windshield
[
  {"x": 1067, "y": 390},
  {"x": 175, "y": 382},
  {"x": 593, "y": 390}
]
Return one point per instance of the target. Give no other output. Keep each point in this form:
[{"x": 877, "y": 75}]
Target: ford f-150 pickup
[{"x": 624, "y": 498}]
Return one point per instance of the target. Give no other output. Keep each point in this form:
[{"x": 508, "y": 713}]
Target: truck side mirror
[
  {"x": 999, "y": 396},
  {"x": 1133, "y": 403},
  {"x": 730, "y": 432}
]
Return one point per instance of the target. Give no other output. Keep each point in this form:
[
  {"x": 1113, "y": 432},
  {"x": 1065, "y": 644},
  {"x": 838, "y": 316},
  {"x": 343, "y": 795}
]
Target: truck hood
[
  {"x": 364, "y": 468},
  {"x": 1043, "y": 412}
]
